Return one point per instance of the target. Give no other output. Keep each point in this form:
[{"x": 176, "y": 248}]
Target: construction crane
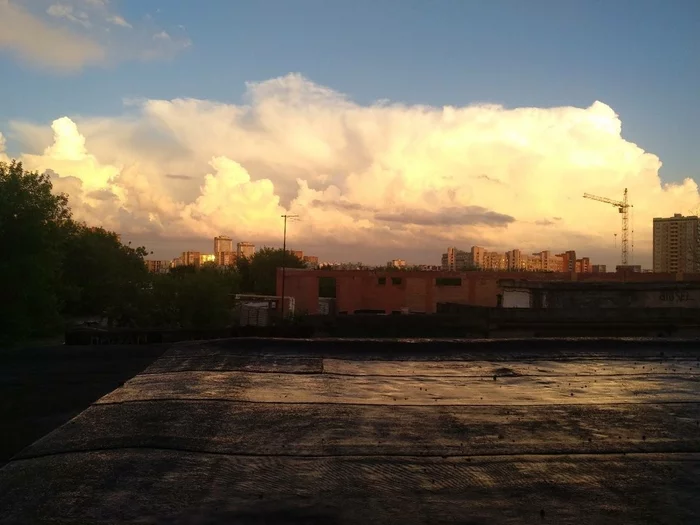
[{"x": 623, "y": 207}]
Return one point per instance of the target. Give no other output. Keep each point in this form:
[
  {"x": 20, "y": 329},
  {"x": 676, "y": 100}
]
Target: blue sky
[{"x": 640, "y": 57}]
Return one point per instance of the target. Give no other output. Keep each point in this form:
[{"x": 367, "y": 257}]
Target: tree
[
  {"x": 102, "y": 276},
  {"x": 205, "y": 298},
  {"x": 193, "y": 298},
  {"x": 259, "y": 273},
  {"x": 53, "y": 266},
  {"x": 33, "y": 226}
]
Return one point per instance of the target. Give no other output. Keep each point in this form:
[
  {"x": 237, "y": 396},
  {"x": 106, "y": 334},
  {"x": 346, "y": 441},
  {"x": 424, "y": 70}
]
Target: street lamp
[{"x": 284, "y": 254}]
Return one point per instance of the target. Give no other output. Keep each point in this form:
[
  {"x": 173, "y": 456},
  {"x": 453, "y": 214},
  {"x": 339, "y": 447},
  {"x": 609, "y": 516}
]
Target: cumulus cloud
[
  {"x": 230, "y": 197},
  {"x": 468, "y": 215},
  {"x": 376, "y": 177},
  {"x": 69, "y": 35}
]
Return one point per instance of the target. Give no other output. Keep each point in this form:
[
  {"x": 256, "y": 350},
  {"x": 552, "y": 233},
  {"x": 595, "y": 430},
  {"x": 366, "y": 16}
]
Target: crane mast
[{"x": 623, "y": 207}]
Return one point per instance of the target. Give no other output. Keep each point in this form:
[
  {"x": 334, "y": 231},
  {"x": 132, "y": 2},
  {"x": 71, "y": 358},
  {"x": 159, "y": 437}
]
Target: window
[
  {"x": 448, "y": 281},
  {"x": 396, "y": 280},
  {"x": 381, "y": 280},
  {"x": 326, "y": 287}
]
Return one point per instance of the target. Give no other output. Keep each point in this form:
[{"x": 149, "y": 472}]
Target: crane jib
[{"x": 622, "y": 208}]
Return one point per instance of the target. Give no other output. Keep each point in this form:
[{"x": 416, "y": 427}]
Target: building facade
[
  {"x": 396, "y": 263},
  {"x": 568, "y": 259},
  {"x": 594, "y": 295},
  {"x": 191, "y": 258},
  {"x": 583, "y": 265},
  {"x": 419, "y": 292},
  {"x": 479, "y": 258},
  {"x": 223, "y": 244},
  {"x": 225, "y": 258},
  {"x": 311, "y": 260},
  {"x": 676, "y": 244},
  {"x": 514, "y": 260},
  {"x": 456, "y": 260},
  {"x": 155, "y": 266}
]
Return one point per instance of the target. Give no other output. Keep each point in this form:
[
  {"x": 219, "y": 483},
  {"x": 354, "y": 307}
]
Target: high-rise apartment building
[
  {"x": 494, "y": 261},
  {"x": 155, "y": 266},
  {"x": 456, "y": 260},
  {"x": 299, "y": 254},
  {"x": 223, "y": 251},
  {"x": 478, "y": 256},
  {"x": 396, "y": 263},
  {"x": 311, "y": 260},
  {"x": 245, "y": 249},
  {"x": 583, "y": 265},
  {"x": 676, "y": 244},
  {"x": 544, "y": 261},
  {"x": 225, "y": 258},
  {"x": 449, "y": 259},
  {"x": 515, "y": 260},
  {"x": 568, "y": 261},
  {"x": 191, "y": 258},
  {"x": 223, "y": 244}
]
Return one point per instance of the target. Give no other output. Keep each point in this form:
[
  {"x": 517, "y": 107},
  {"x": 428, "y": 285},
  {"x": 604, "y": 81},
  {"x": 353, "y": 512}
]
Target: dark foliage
[
  {"x": 54, "y": 270},
  {"x": 259, "y": 273}
]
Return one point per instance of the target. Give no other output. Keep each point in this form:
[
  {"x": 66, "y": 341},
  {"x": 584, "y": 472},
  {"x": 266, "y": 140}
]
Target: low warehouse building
[
  {"x": 573, "y": 294},
  {"x": 408, "y": 291}
]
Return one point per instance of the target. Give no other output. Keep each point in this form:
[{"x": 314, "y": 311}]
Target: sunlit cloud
[{"x": 367, "y": 176}]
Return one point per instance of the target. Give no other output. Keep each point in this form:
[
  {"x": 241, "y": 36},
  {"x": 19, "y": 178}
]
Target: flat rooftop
[
  {"x": 599, "y": 285},
  {"x": 265, "y": 431}
]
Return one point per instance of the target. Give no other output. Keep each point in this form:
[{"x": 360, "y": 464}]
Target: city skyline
[
  {"x": 398, "y": 261},
  {"x": 454, "y": 259},
  {"x": 487, "y": 136}
]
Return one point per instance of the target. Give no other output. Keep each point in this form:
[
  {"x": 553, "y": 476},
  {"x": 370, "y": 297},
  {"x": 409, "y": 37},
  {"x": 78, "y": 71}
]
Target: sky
[{"x": 394, "y": 129}]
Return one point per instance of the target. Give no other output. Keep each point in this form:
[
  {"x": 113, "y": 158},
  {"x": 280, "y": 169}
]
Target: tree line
[{"x": 55, "y": 270}]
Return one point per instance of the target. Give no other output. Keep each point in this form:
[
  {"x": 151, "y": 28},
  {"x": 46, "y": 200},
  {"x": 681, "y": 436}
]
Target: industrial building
[
  {"x": 576, "y": 294},
  {"x": 386, "y": 291}
]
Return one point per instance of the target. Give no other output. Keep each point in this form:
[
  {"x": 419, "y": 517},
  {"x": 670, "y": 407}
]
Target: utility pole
[{"x": 284, "y": 254}]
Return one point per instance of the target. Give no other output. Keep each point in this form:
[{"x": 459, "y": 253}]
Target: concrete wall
[
  {"x": 516, "y": 299},
  {"x": 469, "y": 321},
  {"x": 597, "y": 298},
  {"x": 671, "y": 299},
  {"x": 304, "y": 289}
]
